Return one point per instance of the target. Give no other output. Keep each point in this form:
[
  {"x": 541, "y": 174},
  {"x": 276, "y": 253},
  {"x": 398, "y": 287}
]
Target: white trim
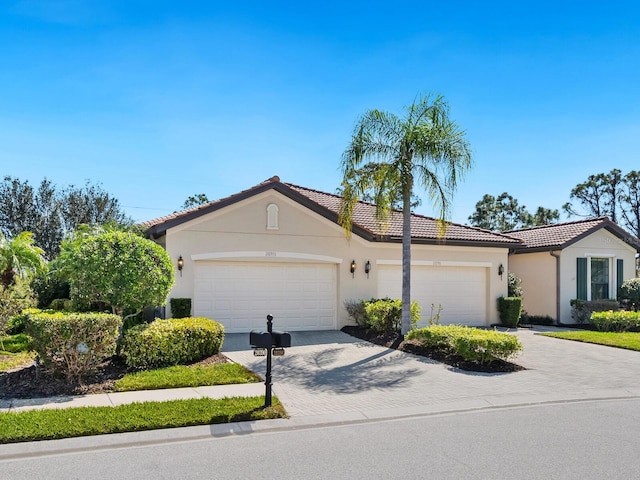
[
  {"x": 269, "y": 254},
  {"x": 437, "y": 263},
  {"x": 600, "y": 255}
]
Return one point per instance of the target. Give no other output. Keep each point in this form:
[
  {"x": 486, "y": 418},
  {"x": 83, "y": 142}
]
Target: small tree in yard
[
  {"x": 119, "y": 269},
  {"x": 19, "y": 258}
]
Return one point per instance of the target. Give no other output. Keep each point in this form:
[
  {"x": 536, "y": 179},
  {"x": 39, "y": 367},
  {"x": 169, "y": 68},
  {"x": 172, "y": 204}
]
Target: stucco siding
[
  {"x": 538, "y": 274},
  {"x": 240, "y": 233}
]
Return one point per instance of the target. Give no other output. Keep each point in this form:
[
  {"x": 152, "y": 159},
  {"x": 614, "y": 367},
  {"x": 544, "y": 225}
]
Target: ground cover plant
[
  {"x": 626, "y": 340},
  {"x": 35, "y": 425}
]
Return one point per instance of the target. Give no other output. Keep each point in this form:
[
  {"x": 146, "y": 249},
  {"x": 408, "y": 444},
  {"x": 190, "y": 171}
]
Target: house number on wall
[{"x": 270, "y": 254}]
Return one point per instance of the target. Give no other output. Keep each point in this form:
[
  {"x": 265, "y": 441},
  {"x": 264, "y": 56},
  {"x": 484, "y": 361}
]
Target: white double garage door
[{"x": 304, "y": 296}]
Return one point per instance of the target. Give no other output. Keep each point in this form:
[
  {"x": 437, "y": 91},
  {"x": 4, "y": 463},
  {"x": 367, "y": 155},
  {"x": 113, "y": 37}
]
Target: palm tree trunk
[{"x": 406, "y": 259}]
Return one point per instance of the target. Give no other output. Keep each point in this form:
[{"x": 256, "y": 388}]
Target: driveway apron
[{"x": 330, "y": 372}]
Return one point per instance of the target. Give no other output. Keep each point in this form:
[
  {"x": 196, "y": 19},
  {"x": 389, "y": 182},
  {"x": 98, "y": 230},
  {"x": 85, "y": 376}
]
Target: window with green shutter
[
  {"x": 581, "y": 279},
  {"x": 619, "y": 275}
]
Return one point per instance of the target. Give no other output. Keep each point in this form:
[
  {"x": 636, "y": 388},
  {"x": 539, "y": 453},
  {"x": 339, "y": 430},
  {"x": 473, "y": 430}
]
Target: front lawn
[
  {"x": 16, "y": 367},
  {"x": 51, "y": 424},
  {"x": 627, "y": 340}
]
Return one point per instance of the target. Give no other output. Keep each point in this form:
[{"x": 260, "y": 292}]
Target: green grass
[
  {"x": 627, "y": 340},
  {"x": 183, "y": 376},
  {"x": 14, "y": 343},
  {"x": 47, "y": 424},
  {"x": 36, "y": 425},
  {"x": 14, "y": 351}
]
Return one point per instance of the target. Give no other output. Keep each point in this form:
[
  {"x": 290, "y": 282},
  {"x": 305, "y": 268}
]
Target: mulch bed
[
  {"x": 33, "y": 382},
  {"x": 413, "y": 347}
]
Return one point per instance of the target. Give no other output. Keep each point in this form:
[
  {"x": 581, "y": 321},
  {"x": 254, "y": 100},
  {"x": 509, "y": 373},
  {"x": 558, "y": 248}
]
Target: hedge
[
  {"x": 73, "y": 344},
  {"x": 173, "y": 341},
  {"x": 472, "y": 344},
  {"x": 616, "y": 321}
]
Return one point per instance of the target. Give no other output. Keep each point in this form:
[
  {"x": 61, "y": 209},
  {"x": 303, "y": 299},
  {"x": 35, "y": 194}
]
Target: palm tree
[
  {"x": 389, "y": 155},
  {"x": 18, "y": 258}
]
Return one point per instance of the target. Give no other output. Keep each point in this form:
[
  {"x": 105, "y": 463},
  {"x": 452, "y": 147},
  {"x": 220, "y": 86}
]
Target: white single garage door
[
  {"x": 462, "y": 291},
  {"x": 241, "y": 294}
]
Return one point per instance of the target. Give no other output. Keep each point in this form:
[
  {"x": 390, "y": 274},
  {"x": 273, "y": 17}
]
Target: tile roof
[
  {"x": 562, "y": 235},
  {"x": 423, "y": 229}
]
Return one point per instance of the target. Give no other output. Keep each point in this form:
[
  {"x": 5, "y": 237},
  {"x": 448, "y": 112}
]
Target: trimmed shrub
[
  {"x": 472, "y": 344},
  {"x": 173, "y": 341},
  {"x": 180, "y": 307},
  {"x": 355, "y": 309},
  {"x": 581, "y": 310},
  {"x": 616, "y": 321},
  {"x": 630, "y": 293},
  {"x": 381, "y": 315},
  {"x": 73, "y": 344},
  {"x": 509, "y": 309}
]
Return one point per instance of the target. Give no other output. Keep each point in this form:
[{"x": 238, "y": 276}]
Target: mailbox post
[{"x": 269, "y": 343}]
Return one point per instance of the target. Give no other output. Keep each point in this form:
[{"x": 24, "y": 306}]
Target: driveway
[{"x": 332, "y": 373}]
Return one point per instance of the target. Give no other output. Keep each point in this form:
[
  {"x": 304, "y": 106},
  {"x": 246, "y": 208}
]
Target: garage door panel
[
  {"x": 240, "y": 295},
  {"x": 462, "y": 291}
]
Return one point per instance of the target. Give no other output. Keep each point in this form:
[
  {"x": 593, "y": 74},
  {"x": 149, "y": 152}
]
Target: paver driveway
[{"x": 333, "y": 373}]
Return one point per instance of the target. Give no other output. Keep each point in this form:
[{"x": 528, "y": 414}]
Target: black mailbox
[
  {"x": 281, "y": 339},
  {"x": 260, "y": 339}
]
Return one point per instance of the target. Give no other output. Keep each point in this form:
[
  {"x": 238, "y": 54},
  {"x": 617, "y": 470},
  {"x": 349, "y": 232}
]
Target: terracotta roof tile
[
  {"x": 561, "y": 235},
  {"x": 364, "y": 216}
]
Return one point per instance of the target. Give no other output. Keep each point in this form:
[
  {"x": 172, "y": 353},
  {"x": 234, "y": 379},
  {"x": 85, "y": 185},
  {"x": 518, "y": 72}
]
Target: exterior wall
[
  {"x": 600, "y": 244},
  {"x": 240, "y": 233},
  {"x": 538, "y": 274}
]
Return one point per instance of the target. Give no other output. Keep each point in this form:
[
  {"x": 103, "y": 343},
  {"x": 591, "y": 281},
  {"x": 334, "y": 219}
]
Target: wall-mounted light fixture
[
  {"x": 500, "y": 270},
  {"x": 180, "y": 264},
  {"x": 352, "y": 268},
  {"x": 367, "y": 268}
]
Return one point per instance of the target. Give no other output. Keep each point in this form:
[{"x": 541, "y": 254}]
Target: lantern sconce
[
  {"x": 180, "y": 264},
  {"x": 500, "y": 270},
  {"x": 352, "y": 268},
  {"x": 367, "y": 268}
]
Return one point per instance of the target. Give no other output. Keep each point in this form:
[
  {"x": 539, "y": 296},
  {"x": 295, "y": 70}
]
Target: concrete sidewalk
[{"x": 120, "y": 398}]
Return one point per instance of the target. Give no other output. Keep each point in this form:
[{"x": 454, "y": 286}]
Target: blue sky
[{"x": 161, "y": 100}]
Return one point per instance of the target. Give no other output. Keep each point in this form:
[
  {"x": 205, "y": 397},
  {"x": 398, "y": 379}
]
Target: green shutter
[
  {"x": 619, "y": 275},
  {"x": 581, "y": 278}
]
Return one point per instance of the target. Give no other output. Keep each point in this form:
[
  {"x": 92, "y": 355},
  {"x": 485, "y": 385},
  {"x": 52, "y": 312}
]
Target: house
[
  {"x": 278, "y": 249},
  {"x": 586, "y": 259}
]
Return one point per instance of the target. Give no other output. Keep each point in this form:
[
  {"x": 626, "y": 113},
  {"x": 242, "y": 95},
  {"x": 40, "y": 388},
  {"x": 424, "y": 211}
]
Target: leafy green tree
[
  {"x": 195, "y": 200},
  {"x": 630, "y": 201},
  {"x": 90, "y": 205},
  {"x": 19, "y": 257},
  {"x": 610, "y": 194},
  {"x": 119, "y": 269},
  {"x": 389, "y": 156},
  {"x": 543, "y": 216},
  {"x": 598, "y": 196},
  {"x": 51, "y": 213},
  {"x": 503, "y": 213}
]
